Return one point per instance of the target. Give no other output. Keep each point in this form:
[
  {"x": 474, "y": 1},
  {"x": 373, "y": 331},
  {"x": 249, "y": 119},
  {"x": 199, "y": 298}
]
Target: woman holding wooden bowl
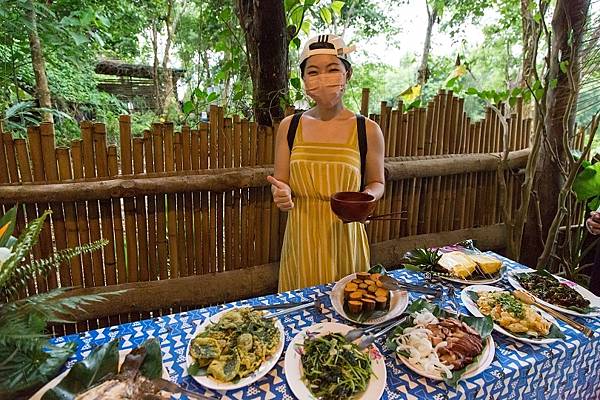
[{"x": 323, "y": 151}]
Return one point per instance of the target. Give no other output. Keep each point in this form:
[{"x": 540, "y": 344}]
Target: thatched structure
[{"x": 133, "y": 83}]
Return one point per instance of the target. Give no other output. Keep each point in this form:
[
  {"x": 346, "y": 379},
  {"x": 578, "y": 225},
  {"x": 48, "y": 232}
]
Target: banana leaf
[
  {"x": 555, "y": 332},
  {"x": 103, "y": 363},
  {"x": 483, "y": 325}
]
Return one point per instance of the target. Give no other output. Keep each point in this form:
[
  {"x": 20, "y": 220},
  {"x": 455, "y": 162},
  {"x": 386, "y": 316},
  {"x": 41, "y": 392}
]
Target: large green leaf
[
  {"x": 102, "y": 362},
  {"x": 152, "y": 366},
  {"x": 587, "y": 182},
  {"x": 33, "y": 362}
]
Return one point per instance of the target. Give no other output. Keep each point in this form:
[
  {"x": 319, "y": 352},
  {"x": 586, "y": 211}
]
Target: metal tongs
[
  {"x": 317, "y": 304},
  {"x": 393, "y": 284}
]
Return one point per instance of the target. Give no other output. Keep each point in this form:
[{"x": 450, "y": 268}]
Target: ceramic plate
[
  {"x": 59, "y": 378},
  {"x": 214, "y": 384},
  {"x": 293, "y": 364},
  {"x": 398, "y": 302},
  {"x": 473, "y": 309},
  {"x": 472, "y": 370},
  {"x": 593, "y": 299}
]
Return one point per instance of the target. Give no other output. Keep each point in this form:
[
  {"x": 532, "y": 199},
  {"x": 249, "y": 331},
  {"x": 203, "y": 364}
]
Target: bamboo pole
[
  {"x": 161, "y": 223},
  {"x": 153, "y": 268},
  {"x": 180, "y": 208},
  {"x": 186, "y": 144},
  {"x": 364, "y": 102},
  {"x": 172, "y": 243},
  {"x": 30, "y": 209},
  {"x": 237, "y": 196},
  {"x": 206, "y": 236},
  {"x": 214, "y": 151},
  {"x": 228, "y": 249},
  {"x": 45, "y": 237},
  {"x": 82, "y": 213},
  {"x": 110, "y": 265},
  {"x": 197, "y": 205},
  {"x": 245, "y": 193},
  {"x": 141, "y": 217},
  {"x": 64, "y": 169},
  {"x": 117, "y": 217}
]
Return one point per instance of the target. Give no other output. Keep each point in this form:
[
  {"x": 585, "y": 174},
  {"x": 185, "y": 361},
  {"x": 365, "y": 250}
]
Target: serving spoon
[{"x": 529, "y": 299}]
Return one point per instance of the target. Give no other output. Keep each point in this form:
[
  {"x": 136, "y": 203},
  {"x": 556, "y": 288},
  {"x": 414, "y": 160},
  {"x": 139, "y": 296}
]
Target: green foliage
[
  {"x": 587, "y": 185},
  {"x": 28, "y": 358}
]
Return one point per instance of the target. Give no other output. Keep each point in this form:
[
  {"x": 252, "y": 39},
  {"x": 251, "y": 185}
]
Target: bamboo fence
[{"x": 178, "y": 233}]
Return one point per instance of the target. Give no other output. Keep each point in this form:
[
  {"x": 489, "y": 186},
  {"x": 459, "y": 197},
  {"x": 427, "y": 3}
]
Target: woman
[
  {"x": 317, "y": 154},
  {"x": 593, "y": 226}
]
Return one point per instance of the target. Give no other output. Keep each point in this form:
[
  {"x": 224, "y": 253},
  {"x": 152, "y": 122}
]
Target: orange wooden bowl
[{"x": 352, "y": 206}]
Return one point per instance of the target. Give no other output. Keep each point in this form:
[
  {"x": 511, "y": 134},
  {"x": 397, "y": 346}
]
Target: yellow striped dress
[{"x": 317, "y": 247}]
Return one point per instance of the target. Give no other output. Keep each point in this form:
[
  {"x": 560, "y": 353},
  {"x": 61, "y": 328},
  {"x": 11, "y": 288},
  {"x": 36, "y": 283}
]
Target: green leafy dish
[
  {"x": 441, "y": 345},
  {"x": 334, "y": 368}
]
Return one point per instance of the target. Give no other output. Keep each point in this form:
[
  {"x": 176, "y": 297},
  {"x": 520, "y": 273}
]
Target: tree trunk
[
  {"x": 166, "y": 74},
  {"x": 530, "y": 38},
  {"x": 423, "y": 72},
  {"x": 554, "y": 161},
  {"x": 39, "y": 65},
  {"x": 263, "y": 22}
]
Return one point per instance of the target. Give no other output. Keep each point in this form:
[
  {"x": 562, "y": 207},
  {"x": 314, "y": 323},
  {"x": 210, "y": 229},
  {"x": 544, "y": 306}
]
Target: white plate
[
  {"x": 473, "y": 309},
  {"x": 472, "y": 370},
  {"x": 293, "y": 364},
  {"x": 214, "y": 384},
  {"x": 122, "y": 354},
  {"x": 476, "y": 281},
  {"x": 398, "y": 302},
  {"x": 593, "y": 299}
]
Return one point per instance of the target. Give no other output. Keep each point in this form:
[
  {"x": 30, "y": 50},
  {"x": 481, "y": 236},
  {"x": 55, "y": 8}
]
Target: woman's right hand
[
  {"x": 593, "y": 223},
  {"x": 282, "y": 194}
]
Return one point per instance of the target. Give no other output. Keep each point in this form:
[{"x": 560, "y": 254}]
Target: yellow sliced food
[
  {"x": 458, "y": 264},
  {"x": 488, "y": 264}
]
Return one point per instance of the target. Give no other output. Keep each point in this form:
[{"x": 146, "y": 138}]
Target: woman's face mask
[{"x": 325, "y": 89}]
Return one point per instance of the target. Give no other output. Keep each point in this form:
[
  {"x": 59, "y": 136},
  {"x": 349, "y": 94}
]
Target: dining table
[{"x": 567, "y": 369}]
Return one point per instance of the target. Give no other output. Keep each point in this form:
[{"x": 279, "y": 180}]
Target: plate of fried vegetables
[
  {"x": 555, "y": 292},
  {"x": 512, "y": 317},
  {"x": 321, "y": 364},
  {"x": 234, "y": 348}
]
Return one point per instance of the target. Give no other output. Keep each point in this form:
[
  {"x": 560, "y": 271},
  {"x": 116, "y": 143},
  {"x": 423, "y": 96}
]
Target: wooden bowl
[{"x": 352, "y": 206}]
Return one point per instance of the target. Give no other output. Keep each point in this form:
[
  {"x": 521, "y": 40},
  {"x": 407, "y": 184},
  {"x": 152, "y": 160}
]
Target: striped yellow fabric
[{"x": 318, "y": 248}]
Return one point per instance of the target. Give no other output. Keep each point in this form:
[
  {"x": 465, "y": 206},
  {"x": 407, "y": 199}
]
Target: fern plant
[{"x": 27, "y": 358}]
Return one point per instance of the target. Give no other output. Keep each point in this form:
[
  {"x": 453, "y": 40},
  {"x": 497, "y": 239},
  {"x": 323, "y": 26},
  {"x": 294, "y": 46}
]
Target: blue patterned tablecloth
[{"x": 567, "y": 369}]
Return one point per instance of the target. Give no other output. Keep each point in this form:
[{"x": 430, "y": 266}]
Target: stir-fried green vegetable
[{"x": 334, "y": 368}]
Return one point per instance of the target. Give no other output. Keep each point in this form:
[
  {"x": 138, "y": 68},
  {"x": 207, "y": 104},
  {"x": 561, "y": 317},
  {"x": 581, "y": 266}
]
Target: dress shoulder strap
[
  {"x": 361, "y": 130},
  {"x": 291, "y": 135}
]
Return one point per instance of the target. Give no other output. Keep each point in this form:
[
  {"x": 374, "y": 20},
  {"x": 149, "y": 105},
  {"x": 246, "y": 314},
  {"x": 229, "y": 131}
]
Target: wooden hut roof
[{"x": 120, "y": 68}]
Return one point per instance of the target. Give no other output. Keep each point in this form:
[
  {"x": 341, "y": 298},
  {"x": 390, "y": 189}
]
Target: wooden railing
[{"x": 193, "y": 207}]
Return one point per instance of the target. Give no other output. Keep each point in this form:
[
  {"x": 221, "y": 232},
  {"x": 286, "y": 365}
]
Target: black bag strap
[
  {"x": 361, "y": 129},
  {"x": 291, "y": 135}
]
